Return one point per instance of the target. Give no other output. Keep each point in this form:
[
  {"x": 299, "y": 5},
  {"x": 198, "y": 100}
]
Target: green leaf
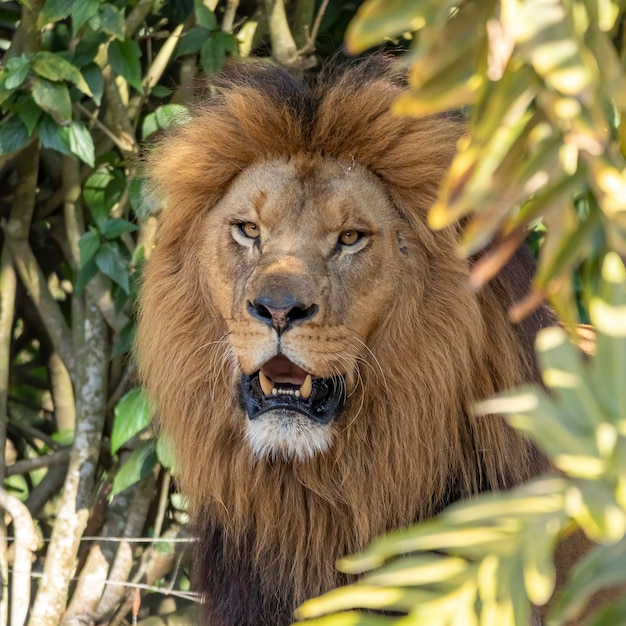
[
  {"x": 120, "y": 298},
  {"x": 204, "y": 16},
  {"x": 112, "y": 264},
  {"x": 227, "y": 41},
  {"x": 55, "y": 10},
  {"x": 17, "y": 70},
  {"x": 132, "y": 415},
  {"x": 13, "y": 135},
  {"x": 212, "y": 56},
  {"x": 84, "y": 275},
  {"x": 164, "y": 117},
  {"x": 81, "y": 142},
  {"x": 112, "y": 21},
  {"x": 54, "y": 136},
  {"x": 139, "y": 464},
  {"x": 54, "y": 98},
  {"x": 192, "y": 41},
  {"x": 102, "y": 190},
  {"x": 88, "y": 48},
  {"x": 82, "y": 12},
  {"x": 55, "y": 68},
  {"x": 161, "y": 91},
  {"x": 124, "y": 341},
  {"x": 124, "y": 59},
  {"x": 115, "y": 226},
  {"x": 352, "y": 618},
  {"x": 5, "y": 93},
  {"x": 171, "y": 114},
  {"x": 164, "y": 452},
  {"x": 601, "y": 567},
  {"x": 92, "y": 73},
  {"x": 17, "y": 486},
  {"x": 88, "y": 245},
  {"x": 29, "y": 113},
  {"x": 378, "y": 20}
]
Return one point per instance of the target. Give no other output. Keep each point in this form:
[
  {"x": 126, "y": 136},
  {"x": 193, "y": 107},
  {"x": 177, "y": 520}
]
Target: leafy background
[{"x": 94, "y": 531}]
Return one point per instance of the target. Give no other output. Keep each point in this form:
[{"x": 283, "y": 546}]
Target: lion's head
[{"x": 311, "y": 346}]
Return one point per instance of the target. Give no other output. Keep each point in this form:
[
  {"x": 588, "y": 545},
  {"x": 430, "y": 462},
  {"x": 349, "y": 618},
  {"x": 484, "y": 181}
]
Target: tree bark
[
  {"x": 92, "y": 354},
  {"x": 25, "y": 544}
]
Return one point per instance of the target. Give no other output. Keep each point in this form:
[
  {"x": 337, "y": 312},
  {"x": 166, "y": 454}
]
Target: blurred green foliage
[{"x": 543, "y": 160}]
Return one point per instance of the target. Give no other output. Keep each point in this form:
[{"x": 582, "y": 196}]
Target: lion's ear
[{"x": 401, "y": 244}]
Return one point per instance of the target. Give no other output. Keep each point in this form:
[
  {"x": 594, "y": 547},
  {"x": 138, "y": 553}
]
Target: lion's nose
[{"x": 281, "y": 313}]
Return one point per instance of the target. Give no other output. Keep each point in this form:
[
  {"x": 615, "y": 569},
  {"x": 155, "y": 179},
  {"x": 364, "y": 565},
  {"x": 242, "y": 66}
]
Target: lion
[{"x": 311, "y": 347}]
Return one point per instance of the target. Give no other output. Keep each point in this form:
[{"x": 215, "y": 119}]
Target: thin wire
[
  {"x": 185, "y": 595},
  {"x": 129, "y": 539}
]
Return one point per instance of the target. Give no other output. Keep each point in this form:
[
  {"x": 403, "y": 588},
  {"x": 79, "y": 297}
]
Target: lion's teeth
[
  {"x": 266, "y": 384},
  {"x": 307, "y": 387}
]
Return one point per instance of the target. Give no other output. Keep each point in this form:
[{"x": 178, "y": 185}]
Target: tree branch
[
  {"x": 47, "y": 307},
  {"x": 303, "y": 18},
  {"x": 137, "y": 16},
  {"x": 25, "y": 544},
  {"x": 284, "y": 48},
  {"x": 8, "y": 283},
  {"x": 229, "y": 15},
  {"x": 24, "y": 466},
  {"x": 92, "y": 355}
]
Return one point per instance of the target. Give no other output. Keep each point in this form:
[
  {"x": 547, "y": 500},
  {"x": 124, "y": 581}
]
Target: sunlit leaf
[
  {"x": 112, "y": 21},
  {"x": 54, "y": 98},
  {"x": 132, "y": 415},
  {"x": 55, "y": 68},
  {"x": 17, "y": 69},
  {"x": 81, "y": 142},
  {"x": 139, "y": 464},
  {"x": 163, "y": 117},
  {"x": 376, "y": 20}
]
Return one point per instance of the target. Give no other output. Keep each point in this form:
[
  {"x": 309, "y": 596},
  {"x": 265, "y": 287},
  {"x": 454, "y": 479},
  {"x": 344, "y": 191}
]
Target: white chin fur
[{"x": 289, "y": 435}]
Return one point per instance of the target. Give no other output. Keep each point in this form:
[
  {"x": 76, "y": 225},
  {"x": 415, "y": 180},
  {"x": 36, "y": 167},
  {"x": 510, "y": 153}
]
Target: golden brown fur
[{"x": 405, "y": 446}]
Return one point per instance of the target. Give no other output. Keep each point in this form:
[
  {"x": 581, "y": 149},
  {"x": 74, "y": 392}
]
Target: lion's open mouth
[{"x": 281, "y": 384}]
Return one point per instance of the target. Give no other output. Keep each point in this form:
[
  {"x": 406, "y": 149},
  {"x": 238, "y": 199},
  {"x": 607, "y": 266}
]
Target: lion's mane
[{"x": 270, "y": 531}]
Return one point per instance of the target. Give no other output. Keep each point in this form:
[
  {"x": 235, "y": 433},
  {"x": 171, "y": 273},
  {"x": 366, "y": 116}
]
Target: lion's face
[{"x": 302, "y": 258}]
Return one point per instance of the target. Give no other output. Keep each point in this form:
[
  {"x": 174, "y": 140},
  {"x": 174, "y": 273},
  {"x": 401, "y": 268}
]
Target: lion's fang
[
  {"x": 266, "y": 384},
  {"x": 307, "y": 387}
]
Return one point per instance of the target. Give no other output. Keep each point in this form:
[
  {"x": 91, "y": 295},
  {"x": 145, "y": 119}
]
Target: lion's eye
[
  {"x": 249, "y": 230},
  {"x": 350, "y": 237}
]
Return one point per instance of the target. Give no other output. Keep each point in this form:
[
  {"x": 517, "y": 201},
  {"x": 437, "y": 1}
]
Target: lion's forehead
[{"x": 324, "y": 193}]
